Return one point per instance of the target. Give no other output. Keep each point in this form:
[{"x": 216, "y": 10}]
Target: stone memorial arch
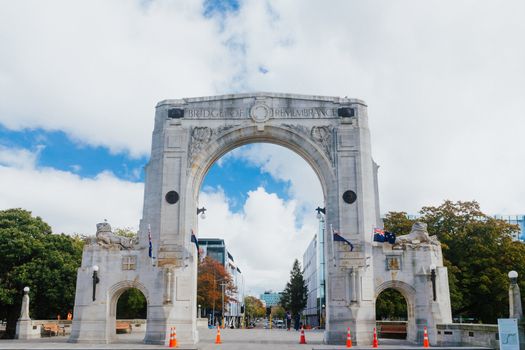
[{"x": 332, "y": 135}]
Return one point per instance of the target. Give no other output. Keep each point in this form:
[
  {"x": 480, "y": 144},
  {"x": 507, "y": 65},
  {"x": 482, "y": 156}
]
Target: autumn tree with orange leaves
[{"x": 211, "y": 275}]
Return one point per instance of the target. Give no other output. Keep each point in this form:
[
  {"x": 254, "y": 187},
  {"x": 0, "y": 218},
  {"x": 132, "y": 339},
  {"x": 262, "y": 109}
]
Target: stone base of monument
[{"x": 26, "y": 330}]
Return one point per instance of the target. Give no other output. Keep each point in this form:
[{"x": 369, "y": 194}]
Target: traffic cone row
[
  {"x": 302, "y": 339},
  {"x": 173, "y": 338},
  {"x": 218, "y": 337},
  {"x": 425, "y": 338},
  {"x": 348, "y": 339}
]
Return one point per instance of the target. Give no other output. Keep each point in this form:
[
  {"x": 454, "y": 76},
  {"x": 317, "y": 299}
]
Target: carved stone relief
[{"x": 201, "y": 136}]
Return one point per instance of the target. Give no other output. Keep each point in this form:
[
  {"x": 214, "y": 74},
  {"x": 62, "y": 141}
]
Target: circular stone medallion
[
  {"x": 172, "y": 197},
  {"x": 260, "y": 112},
  {"x": 349, "y": 196}
]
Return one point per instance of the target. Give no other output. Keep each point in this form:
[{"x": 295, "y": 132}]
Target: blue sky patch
[
  {"x": 221, "y": 7},
  {"x": 57, "y": 150}
]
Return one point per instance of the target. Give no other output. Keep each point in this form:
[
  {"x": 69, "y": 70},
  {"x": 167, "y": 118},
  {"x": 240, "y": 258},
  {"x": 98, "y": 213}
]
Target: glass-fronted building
[
  {"x": 271, "y": 298},
  {"x": 313, "y": 272}
]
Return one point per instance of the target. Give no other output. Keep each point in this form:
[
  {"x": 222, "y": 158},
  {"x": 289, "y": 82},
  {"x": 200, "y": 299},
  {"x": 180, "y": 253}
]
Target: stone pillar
[
  {"x": 515, "y": 309},
  {"x": 24, "y": 326}
]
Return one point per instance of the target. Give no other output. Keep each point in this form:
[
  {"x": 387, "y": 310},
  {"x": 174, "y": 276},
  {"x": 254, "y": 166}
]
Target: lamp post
[
  {"x": 433, "y": 279},
  {"x": 319, "y": 211},
  {"x": 202, "y": 211},
  {"x": 515, "y": 309},
  {"x": 223, "y": 313},
  {"x": 96, "y": 280}
]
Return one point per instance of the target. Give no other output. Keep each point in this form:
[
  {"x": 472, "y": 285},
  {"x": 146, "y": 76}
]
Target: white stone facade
[{"x": 332, "y": 135}]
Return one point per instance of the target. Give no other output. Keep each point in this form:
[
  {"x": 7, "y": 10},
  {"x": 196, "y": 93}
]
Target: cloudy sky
[{"x": 444, "y": 82}]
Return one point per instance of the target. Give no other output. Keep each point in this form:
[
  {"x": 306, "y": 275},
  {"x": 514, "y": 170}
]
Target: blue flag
[
  {"x": 150, "y": 250},
  {"x": 390, "y": 237},
  {"x": 194, "y": 240},
  {"x": 339, "y": 238}
]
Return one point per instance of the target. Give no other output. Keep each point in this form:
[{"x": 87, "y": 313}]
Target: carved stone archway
[{"x": 330, "y": 133}]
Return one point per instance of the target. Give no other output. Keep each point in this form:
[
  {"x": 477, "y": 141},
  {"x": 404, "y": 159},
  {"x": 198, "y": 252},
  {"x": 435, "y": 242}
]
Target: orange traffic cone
[
  {"x": 302, "y": 340},
  {"x": 375, "y": 344},
  {"x": 173, "y": 338},
  {"x": 425, "y": 338},
  {"x": 218, "y": 337},
  {"x": 348, "y": 339}
]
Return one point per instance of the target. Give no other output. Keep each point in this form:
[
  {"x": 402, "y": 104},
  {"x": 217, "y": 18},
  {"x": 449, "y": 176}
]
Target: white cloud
[
  {"x": 96, "y": 69},
  {"x": 19, "y": 158},
  {"x": 285, "y": 165},
  {"x": 444, "y": 80},
  {"x": 68, "y": 202},
  {"x": 263, "y": 238}
]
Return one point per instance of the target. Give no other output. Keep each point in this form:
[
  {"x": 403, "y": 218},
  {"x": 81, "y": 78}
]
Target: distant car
[{"x": 278, "y": 323}]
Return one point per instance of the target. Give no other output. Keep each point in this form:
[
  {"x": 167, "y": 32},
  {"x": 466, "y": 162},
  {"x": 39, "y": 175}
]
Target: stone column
[
  {"x": 515, "y": 309},
  {"x": 24, "y": 326}
]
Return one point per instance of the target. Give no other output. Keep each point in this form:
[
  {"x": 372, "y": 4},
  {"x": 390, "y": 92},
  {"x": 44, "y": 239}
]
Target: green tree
[
  {"x": 478, "y": 252},
  {"x": 125, "y": 232},
  {"x": 30, "y": 255},
  {"x": 277, "y": 312},
  {"x": 391, "y": 305},
  {"x": 132, "y": 304},
  {"x": 254, "y": 307},
  {"x": 296, "y": 292}
]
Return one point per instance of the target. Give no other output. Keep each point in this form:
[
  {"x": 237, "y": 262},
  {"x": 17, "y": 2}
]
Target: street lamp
[
  {"x": 433, "y": 279},
  {"x": 96, "y": 280},
  {"x": 202, "y": 211},
  {"x": 319, "y": 211},
  {"x": 223, "y": 313},
  {"x": 513, "y": 276}
]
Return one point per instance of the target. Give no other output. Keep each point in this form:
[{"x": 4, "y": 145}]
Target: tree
[
  {"x": 254, "y": 307},
  {"x": 211, "y": 275},
  {"x": 277, "y": 312},
  {"x": 132, "y": 304},
  {"x": 391, "y": 305},
  {"x": 31, "y": 255},
  {"x": 296, "y": 292},
  {"x": 478, "y": 252}
]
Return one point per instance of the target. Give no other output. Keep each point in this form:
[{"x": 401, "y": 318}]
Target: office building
[
  {"x": 270, "y": 298},
  {"x": 313, "y": 273}
]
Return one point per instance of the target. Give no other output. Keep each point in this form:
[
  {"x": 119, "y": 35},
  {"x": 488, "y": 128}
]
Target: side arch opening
[
  {"x": 395, "y": 310},
  {"x": 128, "y": 309},
  {"x": 391, "y": 314}
]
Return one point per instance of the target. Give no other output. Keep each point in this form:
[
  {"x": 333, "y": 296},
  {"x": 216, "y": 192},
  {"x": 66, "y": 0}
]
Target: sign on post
[{"x": 508, "y": 334}]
